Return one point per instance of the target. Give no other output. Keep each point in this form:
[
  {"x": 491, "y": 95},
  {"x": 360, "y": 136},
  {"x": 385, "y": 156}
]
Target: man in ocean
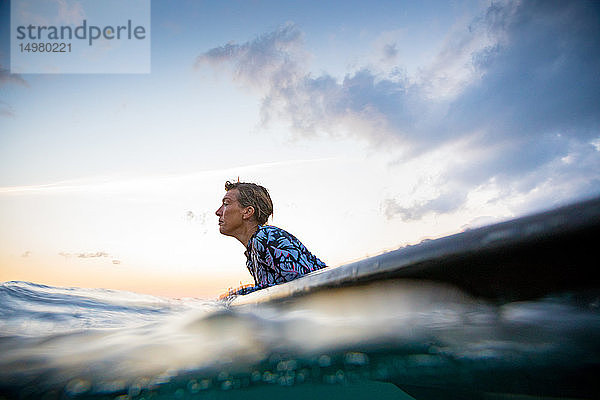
[{"x": 273, "y": 255}]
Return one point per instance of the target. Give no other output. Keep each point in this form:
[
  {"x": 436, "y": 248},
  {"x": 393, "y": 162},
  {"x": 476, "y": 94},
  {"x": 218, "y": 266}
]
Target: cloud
[
  {"x": 97, "y": 254},
  {"x": 541, "y": 76},
  {"x": 70, "y": 12},
  {"x": 90, "y": 255},
  {"x": 274, "y": 65},
  {"x": 142, "y": 184},
  {"x": 518, "y": 87},
  {"x": 271, "y": 60},
  {"x": 389, "y": 52},
  {"x": 6, "y": 77},
  {"x": 443, "y": 203},
  {"x": 6, "y": 110}
]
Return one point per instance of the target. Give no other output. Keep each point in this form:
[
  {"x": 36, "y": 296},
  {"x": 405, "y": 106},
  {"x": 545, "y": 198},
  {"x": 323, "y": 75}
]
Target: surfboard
[
  {"x": 547, "y": 255},
  {"x": 515, "y": 260}
]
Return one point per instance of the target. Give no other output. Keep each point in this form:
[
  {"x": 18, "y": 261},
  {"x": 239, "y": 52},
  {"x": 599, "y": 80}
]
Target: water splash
[{"x": 93, "y": 342}]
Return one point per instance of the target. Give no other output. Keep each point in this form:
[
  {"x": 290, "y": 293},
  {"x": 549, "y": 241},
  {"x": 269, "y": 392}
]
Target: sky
[{"x": 374, "y": 125}]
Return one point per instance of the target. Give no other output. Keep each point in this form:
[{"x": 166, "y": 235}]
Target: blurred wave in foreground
[{"x": 379, "y": 340}]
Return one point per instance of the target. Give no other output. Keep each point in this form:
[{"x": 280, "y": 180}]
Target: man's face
[{"x": 230, "y": 213}]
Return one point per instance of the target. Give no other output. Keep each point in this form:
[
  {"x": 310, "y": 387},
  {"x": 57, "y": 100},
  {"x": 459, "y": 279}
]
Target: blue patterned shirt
[{"x": 275, "y": 256}]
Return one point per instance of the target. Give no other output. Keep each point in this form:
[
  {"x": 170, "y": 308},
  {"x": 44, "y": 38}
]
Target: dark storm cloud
[
  {"x": 541, "y": 77},
  {"x": 529, "y": 100}
]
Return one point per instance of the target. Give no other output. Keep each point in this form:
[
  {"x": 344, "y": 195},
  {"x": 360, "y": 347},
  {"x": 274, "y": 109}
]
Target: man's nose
[{"x": 218, "y": 212}]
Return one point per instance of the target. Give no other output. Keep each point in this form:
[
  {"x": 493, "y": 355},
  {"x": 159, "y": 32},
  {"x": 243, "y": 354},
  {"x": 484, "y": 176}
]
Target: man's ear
[{"x": 248, "y": 212}]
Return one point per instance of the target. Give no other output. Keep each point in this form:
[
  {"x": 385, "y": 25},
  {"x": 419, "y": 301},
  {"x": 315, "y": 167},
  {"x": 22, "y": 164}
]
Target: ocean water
[{"x": 387, "y": 340}]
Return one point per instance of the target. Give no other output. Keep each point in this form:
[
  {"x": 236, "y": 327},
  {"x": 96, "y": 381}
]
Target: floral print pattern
[{"x": 275, "y": 256}]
